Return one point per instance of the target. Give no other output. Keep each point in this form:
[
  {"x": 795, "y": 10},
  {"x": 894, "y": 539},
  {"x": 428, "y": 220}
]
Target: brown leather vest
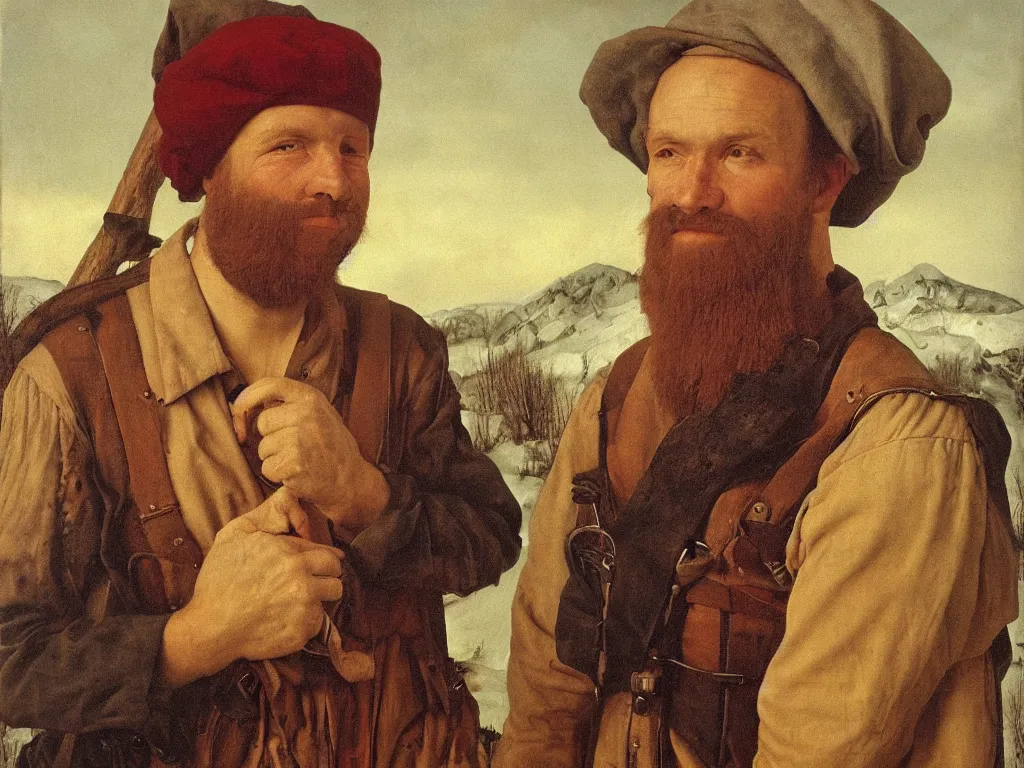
[{"x": 725, "y": 615}]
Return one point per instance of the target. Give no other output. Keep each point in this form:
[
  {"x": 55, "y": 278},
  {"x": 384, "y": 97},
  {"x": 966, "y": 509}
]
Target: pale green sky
[{"x": 489, "y": 178}]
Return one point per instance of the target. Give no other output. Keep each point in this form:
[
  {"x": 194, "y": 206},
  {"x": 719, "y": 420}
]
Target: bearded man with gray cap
[{"x": 769, "y": 537}]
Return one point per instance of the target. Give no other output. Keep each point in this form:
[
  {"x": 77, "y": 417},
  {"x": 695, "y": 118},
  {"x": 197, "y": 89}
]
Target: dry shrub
[
  {"x": 956, "y": 373},
  {"x": 1013, "y": 717},
  {"x": 1017, "y": 519},
  {"x": 1011, "y": 371},
  {"x": 533, "y": 402},
  {"x": 8, "y": 316},
  {"x": 484, "y": 433}
]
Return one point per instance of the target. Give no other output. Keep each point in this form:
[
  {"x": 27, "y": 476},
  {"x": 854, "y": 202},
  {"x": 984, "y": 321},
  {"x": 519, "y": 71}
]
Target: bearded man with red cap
[
  {"x": 770, "y": 537},
  {"x": 233, "y": 492}
]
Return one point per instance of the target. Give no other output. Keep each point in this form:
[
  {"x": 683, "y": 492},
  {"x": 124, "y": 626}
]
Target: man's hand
[
  {"x": 306, "y": 447},
  {"x": 259, "y": 594}
]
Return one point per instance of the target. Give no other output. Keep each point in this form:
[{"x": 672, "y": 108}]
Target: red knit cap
[{"x": 205, "y": 98}]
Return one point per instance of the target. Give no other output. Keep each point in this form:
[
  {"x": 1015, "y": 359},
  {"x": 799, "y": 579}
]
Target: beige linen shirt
[{"x": 903, "y": 576}]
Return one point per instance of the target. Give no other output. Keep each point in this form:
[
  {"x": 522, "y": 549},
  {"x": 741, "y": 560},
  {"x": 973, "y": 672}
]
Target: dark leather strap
[
  {"x": 71, "y": 302},
  {"x": 369, "y": 409},
  {"x": 622, "y": 375},
  {"x": 136, "y": 410},
  {"x": 100, "y": 361}
]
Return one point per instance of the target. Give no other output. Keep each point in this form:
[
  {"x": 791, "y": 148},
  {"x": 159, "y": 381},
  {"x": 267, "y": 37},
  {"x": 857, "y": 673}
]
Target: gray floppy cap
[{"x": 877, "y": 89}]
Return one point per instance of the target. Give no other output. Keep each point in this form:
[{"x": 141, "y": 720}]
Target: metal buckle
[
  {"x": 590, "y": 548},
  {"x": 694, "y": 550},
  {"x": 247, "y": 685}
]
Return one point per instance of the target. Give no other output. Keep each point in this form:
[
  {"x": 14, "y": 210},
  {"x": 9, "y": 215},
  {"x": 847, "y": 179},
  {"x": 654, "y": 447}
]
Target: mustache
[
  {"x": 320, "y": 207},
  {"x": 665, "y": 220}
]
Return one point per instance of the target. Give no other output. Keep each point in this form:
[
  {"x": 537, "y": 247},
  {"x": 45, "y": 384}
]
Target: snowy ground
[{"x": 479, "y": 625}]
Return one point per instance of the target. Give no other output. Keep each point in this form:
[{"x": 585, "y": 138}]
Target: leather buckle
[{"x": 247, "y": 685}]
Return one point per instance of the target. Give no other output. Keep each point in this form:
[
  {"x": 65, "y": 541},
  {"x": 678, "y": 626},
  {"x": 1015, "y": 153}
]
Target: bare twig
[{"x": 8, "y": 320}]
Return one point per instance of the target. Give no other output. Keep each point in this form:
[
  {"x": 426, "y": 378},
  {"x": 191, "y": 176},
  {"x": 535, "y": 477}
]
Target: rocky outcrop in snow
[
  {"x": 31, "y": 292},
  {"x": 925, "y": 289}
]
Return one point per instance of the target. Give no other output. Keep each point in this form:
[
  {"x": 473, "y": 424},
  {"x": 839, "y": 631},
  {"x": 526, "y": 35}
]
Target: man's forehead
[
  {"x": 276, "y": 118},
  {"x": 735, "y": 94}
]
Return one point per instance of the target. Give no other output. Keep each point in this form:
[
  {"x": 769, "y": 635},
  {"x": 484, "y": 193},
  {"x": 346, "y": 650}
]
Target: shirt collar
[{"x": 189, "y": 351}]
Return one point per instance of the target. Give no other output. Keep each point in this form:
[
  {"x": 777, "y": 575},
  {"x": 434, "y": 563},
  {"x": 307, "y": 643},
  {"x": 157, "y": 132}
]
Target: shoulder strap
[
  {"x": 874, "y": 365},
  {"x": 857, "y": 386},
  {"x": 100, "y": 362},
  {"x": 137, "y": 416},
  {"x": 591, "y": 491},
  {"x": 622, "y": 375},
  {"x": 369, "y": 410},
  {"x": 70, "y": 303}
]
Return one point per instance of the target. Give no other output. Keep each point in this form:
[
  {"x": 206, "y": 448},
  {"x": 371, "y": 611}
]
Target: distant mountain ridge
[{"x": 930, "y": 291}]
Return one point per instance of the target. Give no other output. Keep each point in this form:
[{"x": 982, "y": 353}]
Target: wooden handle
[{"x": 124, "y": 235}]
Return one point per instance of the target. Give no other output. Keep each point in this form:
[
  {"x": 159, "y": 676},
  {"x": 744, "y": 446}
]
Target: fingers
[
  {"x": 328, "y": 590},
  {"x": 280, "y": 513},
  {"x": 281, "y": 417},
  {"x": 304, "y": 545},
  {"x": 277, "y": 442},
  {"x": 264, "y": 392},
  {"x": 322, "y": 563}
]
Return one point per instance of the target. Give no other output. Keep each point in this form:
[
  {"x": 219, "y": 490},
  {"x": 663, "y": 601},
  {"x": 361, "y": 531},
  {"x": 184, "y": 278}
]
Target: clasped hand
[
  {"x": 306, "y": 447},
  {"x": 259, "y": 593}
]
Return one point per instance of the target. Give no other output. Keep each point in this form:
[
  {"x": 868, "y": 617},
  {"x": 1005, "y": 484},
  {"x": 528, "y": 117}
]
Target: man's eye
[
  {"x": 740, "y": 153},
  {"x": 349, "y": 149},
  {"x": 666, "y": 152},
  {"x": 288, "y": 147}
]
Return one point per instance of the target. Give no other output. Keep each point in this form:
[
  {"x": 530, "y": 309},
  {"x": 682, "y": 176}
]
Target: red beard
[
  {"x": 262, "y": 248},
  {"x": 719, "y": 309}
]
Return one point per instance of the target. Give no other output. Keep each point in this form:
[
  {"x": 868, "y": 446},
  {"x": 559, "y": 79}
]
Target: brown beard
[
  {"x": 719, "y": 309},
  {"x": 262, "y": 249}
]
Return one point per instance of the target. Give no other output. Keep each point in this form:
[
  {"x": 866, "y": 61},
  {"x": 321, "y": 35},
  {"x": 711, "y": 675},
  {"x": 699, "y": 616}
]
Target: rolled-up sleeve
[
  {"x": 903, "y": 570},
  {"x": 60, "y": 667},
  {"x": 451, "y": 524}
]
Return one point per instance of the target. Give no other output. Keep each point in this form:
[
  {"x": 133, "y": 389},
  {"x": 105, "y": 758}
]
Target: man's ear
[{"x": 830, "y": 179}]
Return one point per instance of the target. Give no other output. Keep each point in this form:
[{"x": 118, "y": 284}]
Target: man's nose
[
  {"x": 327, "y": 176},
  {"x": 693, "y": 186}
]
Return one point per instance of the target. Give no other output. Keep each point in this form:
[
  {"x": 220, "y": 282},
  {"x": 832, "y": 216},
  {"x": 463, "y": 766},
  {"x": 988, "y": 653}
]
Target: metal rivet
[
  {"x": 196, "y": 566},
  {"x": 147, "y": 394},
  {"x": 850, "y": 397},
  {"x": 82, "y": 329},
  {"x": 152, "y": 507},
  {"x": 179, "y": 541},
  {"x": 760, "y": 509}
]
